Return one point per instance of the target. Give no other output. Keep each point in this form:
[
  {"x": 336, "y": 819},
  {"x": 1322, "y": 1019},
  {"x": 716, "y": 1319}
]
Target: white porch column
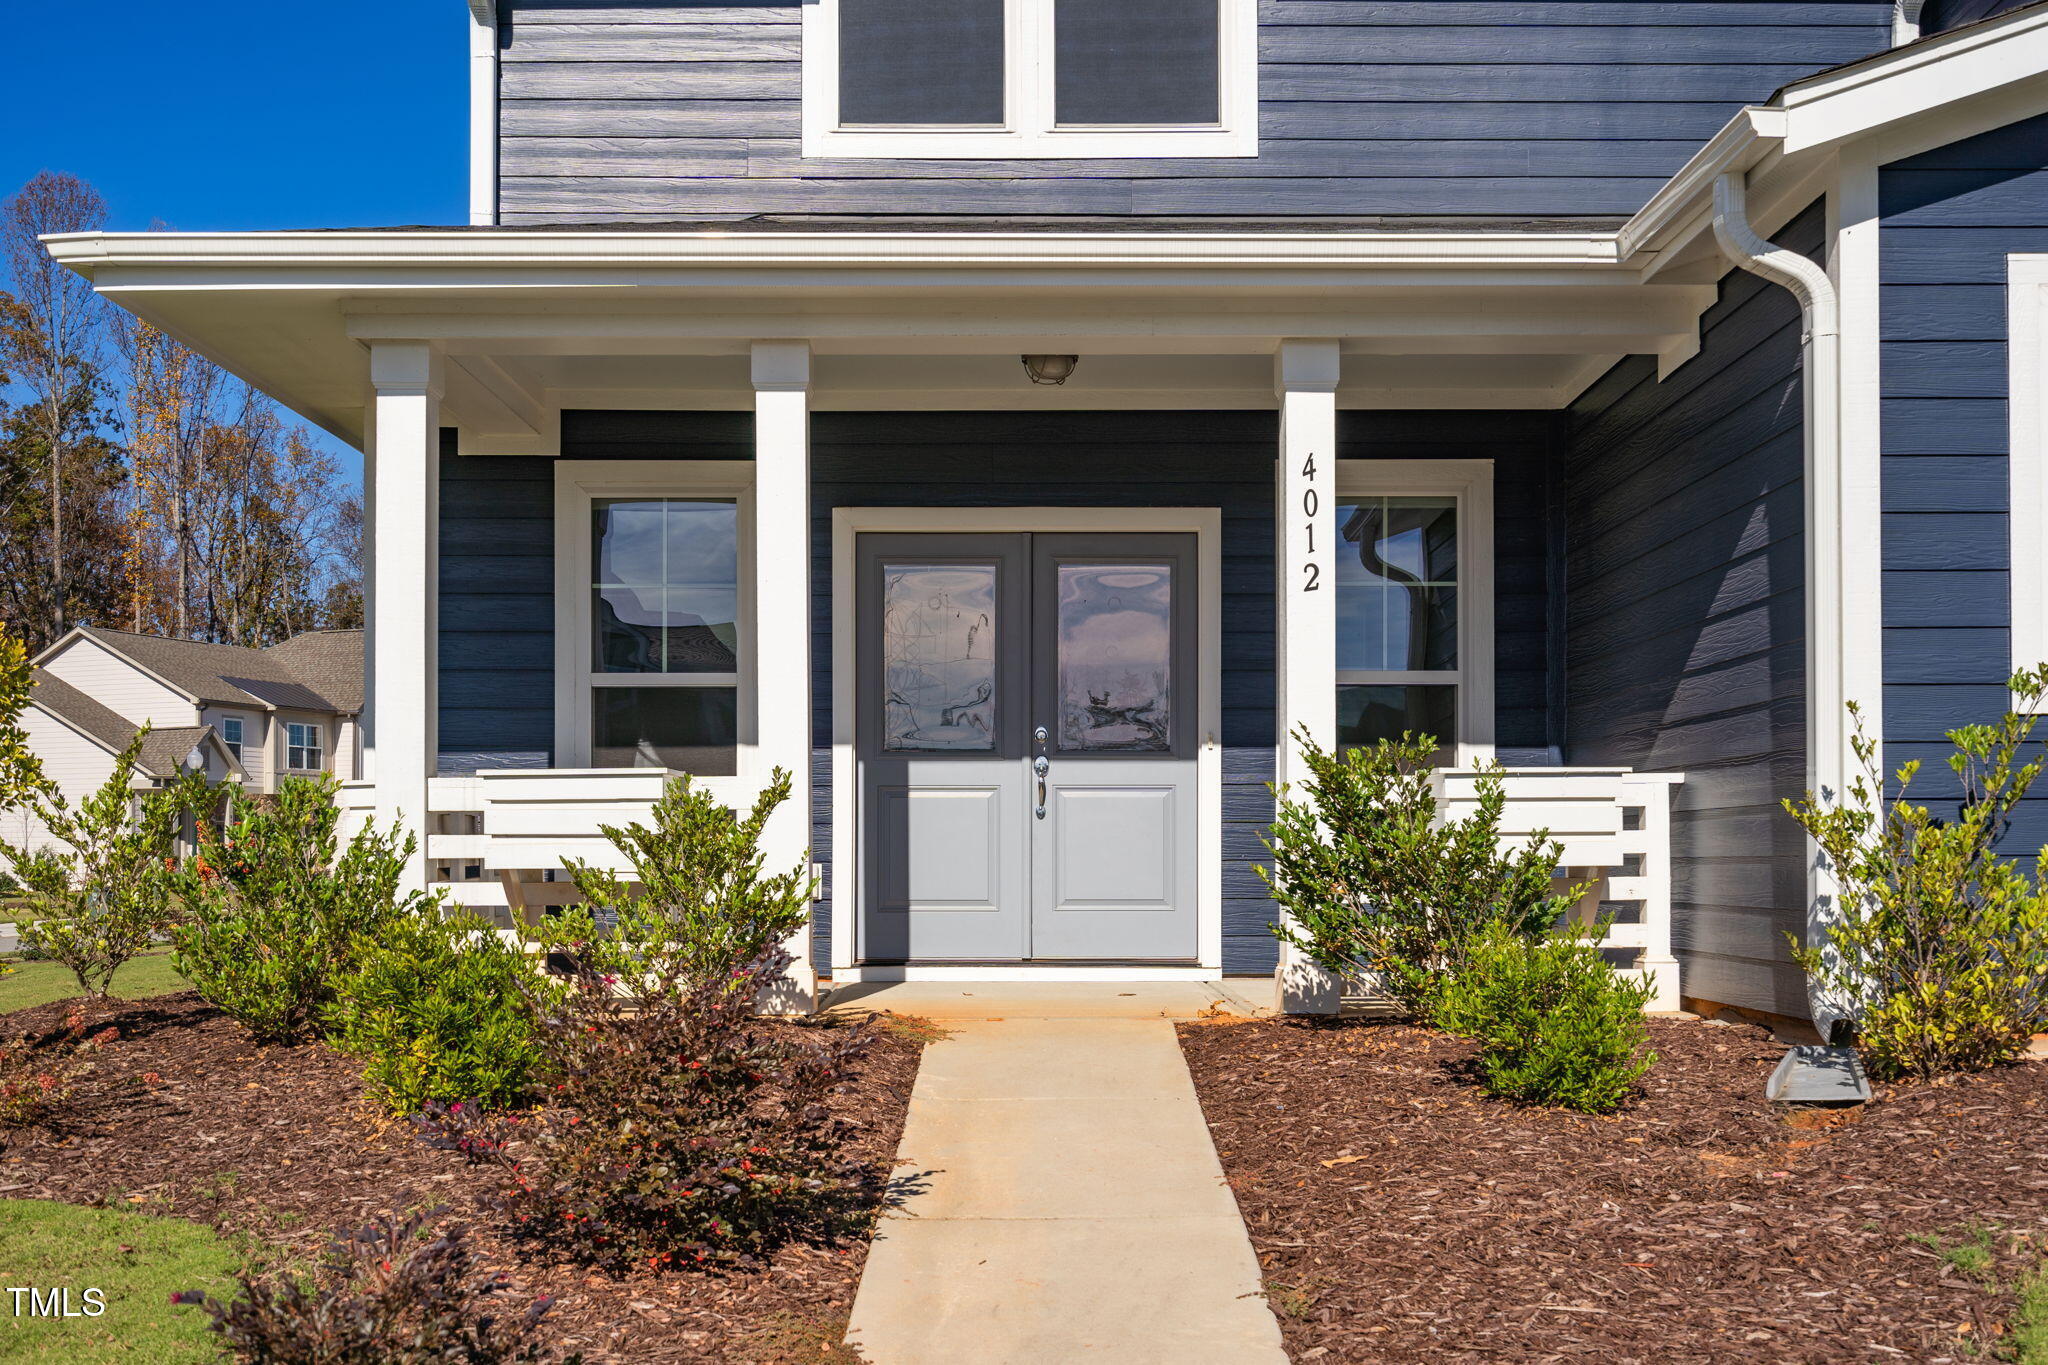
[
  {"x": 401, "y": 478},
  {"x": 1305, "y": 619},
  {"x": 782, "y": 616}
]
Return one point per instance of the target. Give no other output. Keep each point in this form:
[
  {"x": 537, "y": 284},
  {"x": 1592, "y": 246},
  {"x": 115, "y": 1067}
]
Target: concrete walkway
[{"x": 1062, "y": 1201}]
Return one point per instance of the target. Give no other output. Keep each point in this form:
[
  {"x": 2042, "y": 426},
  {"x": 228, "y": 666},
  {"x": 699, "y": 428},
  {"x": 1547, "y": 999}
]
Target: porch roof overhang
[{"x": 535, "y": 321}]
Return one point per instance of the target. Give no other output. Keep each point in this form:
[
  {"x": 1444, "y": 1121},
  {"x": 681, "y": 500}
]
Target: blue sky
[{"x": 240, "y": 114}]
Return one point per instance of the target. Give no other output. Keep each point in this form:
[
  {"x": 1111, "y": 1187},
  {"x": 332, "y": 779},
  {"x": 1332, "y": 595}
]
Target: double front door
[{"x": 1026, "y": 741}]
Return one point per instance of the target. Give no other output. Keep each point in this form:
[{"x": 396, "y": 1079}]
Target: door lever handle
[{"x": 1041, "y": 766}]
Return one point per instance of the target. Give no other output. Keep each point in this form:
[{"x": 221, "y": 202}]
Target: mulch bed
[
  {"x": 1400, "y": 1215},
  {"x": 185, "y": 1116}
]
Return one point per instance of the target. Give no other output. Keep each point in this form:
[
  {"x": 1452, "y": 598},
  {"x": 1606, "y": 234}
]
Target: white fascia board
[
  {"x": 1742, "y": 142},
  {"x": 1910, "y": 82},
  {"x": 89, "y": 252}
]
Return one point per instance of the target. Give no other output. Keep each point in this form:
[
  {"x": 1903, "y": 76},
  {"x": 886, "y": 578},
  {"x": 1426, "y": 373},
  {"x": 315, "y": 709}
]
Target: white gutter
[
  {"x": 483, "y": 113},
  {"x": 1830, "y": 757}
]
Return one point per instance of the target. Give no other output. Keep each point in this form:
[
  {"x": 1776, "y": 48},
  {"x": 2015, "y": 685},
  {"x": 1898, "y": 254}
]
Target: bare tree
[{"x": 55, "y": 353}]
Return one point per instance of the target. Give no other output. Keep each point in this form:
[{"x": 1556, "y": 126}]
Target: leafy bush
[
  {"x": 439, "y": 1006},
  {"x": 276, "y": 911},
  {"x": 1372, "y": 881},
  {"x": 679, "y": 1128},
  {"x": 38, "y": 1074},
  {"x": 390, "y": 1294},
  {"x": 704, "y": 909},
  {"x": 1554, "y": 1022},
  {"x": 101, "y": 893},
  {"x": 1938, "y": 951}
]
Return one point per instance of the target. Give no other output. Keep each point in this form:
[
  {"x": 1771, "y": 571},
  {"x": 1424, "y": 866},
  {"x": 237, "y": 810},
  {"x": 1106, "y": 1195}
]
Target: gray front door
[{"x": 1026, "y": 740}]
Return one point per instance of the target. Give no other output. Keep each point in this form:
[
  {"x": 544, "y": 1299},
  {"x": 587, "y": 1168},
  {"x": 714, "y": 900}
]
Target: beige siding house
[{"x": 252, "y": 716}]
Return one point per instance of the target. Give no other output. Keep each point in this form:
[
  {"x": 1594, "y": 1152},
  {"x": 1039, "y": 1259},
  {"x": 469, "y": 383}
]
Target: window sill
[{"x": 983, "y": 145}]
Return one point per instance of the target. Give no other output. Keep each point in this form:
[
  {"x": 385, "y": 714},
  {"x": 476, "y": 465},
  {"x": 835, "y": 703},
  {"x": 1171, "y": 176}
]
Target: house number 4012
[{"x": 1311, "y": 503}]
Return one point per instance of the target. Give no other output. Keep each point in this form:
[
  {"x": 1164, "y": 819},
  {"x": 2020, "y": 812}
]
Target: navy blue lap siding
[
  {"x": 1948, "y": 219},
  {"x": 1686, "y": 635},
  {"x": 1436, "y": 108}
]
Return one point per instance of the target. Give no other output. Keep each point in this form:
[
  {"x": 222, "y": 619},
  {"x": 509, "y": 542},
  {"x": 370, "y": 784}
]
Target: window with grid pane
[
  {"x": 1397, "y": 618},
  {"x": 665, "y": 597}
]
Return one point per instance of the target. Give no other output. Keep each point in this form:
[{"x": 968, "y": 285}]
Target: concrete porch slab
[{"x": 967, "y": 1000}]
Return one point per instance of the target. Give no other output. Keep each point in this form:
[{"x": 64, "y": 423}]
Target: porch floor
[
  {"x": 1061, "y": 1200},
  {"x": 953, "y": 1001}
]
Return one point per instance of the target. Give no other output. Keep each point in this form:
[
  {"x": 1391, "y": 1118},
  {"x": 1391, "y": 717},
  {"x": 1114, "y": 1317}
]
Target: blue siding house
[{"x": 1021, "y": 420}]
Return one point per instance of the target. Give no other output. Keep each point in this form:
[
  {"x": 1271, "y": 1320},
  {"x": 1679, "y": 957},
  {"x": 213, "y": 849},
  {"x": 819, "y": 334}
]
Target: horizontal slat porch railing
[
  {"x": 1614, "y": 829},
  {"x": 517, "y": 825}
]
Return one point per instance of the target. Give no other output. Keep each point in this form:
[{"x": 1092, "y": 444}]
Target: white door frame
[{"x": 1206, "y": 524}]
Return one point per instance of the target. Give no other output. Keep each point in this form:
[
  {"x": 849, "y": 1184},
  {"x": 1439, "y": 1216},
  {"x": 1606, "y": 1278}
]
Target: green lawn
[
  {"x": 136, "y": 1260},
  {"x": 38, "y": 983}
]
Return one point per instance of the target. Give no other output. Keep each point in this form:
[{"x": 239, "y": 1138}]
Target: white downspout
[
  {"x": 1830, "y": 761},
  {"x": 483, "y": 113}
]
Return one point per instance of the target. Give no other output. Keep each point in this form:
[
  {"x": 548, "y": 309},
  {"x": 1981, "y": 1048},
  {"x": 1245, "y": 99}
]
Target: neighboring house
[
  {"x": 1018, "y": 419},
  {"x": 252, "y": 716}
]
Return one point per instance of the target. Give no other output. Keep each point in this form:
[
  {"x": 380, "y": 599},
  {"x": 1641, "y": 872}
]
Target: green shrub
[
  {"x": 275, "y": 911},
  {"x": 1938, "y": 949},
  {"x": 1554, "y": 1022},
  {"x": 704, "y": 909},
  {"x": 101, "y": 892},
  {"x": 1371, "y": 881},
  {"x": 439, "y": 1007}
]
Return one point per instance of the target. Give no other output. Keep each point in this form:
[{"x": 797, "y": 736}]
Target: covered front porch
[{"x": 1478, "y": 487}]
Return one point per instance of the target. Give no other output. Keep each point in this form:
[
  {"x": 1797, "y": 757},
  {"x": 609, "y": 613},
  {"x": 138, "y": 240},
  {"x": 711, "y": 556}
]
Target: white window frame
[
  {"x": 314, "y": 732},
  {"x": 234, "y": 745},
  {"x": 578, "y": 484},
  {"x": 1028, "y": 129},
  {"x": 1470, "y": 484},
  {"x": 2027, "y": 457}
]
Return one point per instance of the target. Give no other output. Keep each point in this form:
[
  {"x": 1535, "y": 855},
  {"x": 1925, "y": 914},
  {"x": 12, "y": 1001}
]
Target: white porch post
[
  {"x": 402, "y": 479},
  {"x": 782, "y": 612},
  {"x": 1305, "y": 532}
]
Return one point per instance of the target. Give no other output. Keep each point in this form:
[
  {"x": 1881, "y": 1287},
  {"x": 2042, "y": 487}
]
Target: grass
[
  {"x": 2030, "y": 1324},
  {"x": 136, "y": 1260},
  {"x": 38, "y": 983}
]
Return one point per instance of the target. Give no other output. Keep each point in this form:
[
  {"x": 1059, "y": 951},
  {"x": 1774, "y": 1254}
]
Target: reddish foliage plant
[
  {"x": 391, "y": 1294},
  {"x": 679, "y": 1128},
  {"x": 39, "y": 1073}
]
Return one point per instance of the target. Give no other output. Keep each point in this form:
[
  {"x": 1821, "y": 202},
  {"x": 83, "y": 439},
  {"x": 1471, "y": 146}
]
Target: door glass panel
[
  {"x": 939, "y": 657},
  {"x": 1115, "y": 658}
]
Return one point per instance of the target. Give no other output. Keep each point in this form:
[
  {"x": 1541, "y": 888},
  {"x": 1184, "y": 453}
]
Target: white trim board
[
  {"x": 1470, "y": 482},
  {"x": 2027, "y": 463},
  {"x": 1029, "y": 129},
  {"x": 1206, "y": 524},
  {"x": 577, "y": 483}
]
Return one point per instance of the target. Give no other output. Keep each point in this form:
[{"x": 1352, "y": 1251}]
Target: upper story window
[
  {"x": 304, "y": 748},
  {"x": 1030, "y": 78},
  {"x": 231, "y": 735}
]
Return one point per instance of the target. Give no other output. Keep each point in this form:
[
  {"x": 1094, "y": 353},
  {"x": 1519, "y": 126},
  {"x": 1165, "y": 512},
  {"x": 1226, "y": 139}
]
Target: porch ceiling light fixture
[{"x": 1050, "y": 369}]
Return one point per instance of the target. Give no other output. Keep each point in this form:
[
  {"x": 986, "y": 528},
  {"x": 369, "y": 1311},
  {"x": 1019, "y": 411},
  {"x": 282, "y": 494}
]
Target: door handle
[{"x": 1041, "y": 766}]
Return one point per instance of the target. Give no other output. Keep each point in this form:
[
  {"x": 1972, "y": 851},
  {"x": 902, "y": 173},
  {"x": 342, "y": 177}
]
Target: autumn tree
[{"x": 62, "y": 468}]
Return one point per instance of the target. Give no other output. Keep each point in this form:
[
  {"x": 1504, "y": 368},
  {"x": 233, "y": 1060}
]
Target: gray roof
[
  {"x": 61, "y": 699},
  {"x": 329, "y": 662},
  {"x": 318, "y": 671},
  {"x": 163, "y": 751}
]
